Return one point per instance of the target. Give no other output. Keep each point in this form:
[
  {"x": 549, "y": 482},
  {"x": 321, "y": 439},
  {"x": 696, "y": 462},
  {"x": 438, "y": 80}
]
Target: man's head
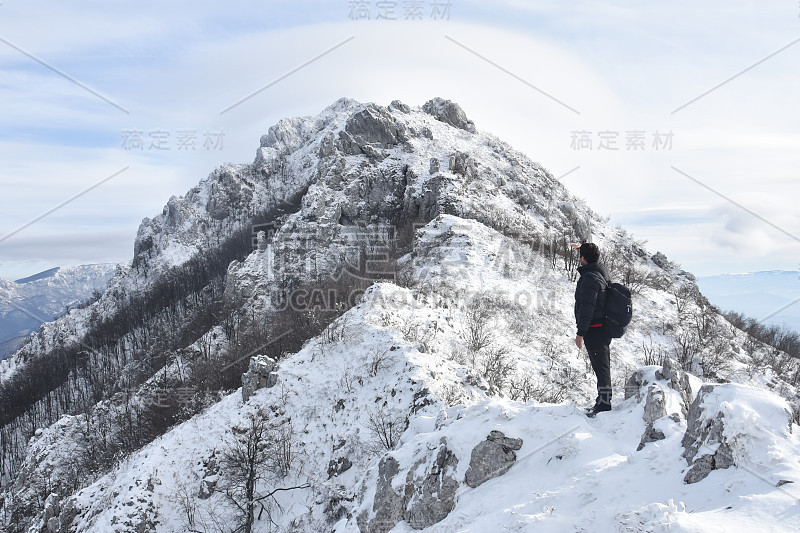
[{"x": 590, "y": 252}]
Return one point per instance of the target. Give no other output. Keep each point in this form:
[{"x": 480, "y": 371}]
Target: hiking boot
[{"x": 598, "y": 408}]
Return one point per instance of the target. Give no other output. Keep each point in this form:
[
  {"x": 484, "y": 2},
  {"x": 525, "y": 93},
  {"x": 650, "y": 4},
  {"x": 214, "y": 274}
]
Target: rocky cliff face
[{"x": 442, "y": 395}]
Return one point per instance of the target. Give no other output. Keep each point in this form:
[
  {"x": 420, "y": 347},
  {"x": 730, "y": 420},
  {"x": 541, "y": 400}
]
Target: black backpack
[{"x": 618, "y": 311}]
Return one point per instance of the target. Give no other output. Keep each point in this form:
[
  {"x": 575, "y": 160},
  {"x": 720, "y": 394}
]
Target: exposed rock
[
  {"x": 655, "y": 406},
  {"x": 261, "y": 374},
  {"x": 661, "y": 261},
  {"x": 388, "y": 505},
  {"x": 375, "y": 127},
  {"x": 335, "y": 509},
  {"x": 69, "y": 511},
  {"x": 262, "y": 241},
  {"x": 422, "y": 399},
  {"x": 284, "y": 136},
  {"x": 347, "y": 144},
  {"x": 723, "y": 423},
  {"x": 337, "y": 466},
  {"x": 633, "y": 387},
  {"x": 207, "y": 488},
  {"x": 327, "y": 147},
  {"x": 400, "y": 106},
  {"x": 702, "y": 431},
  {"x": 678, "y": 380},
  {"x": 208, "y": 485},
  {"x": 52, "y": 506},
  {"x": 704, "y": 465},
  {"x": 449, "y": 113},
  {"x": 653, "y": 434},
  {"x": 427, "y": 498},
  {"x": 431, "y": 497},
  {"x": 464, "y": 165},
  {"x": 425, "y": 204},
  {"x": 491, "y": 458}
]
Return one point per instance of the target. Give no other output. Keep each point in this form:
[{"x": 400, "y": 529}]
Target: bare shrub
[
  {"x": 551, "y": 388},
  {"x": 520, "y": 321},
  {"x": 540, "y": 390},
  {"x": 715, "y": 362},
  {"x": 653, "y": 354},
  {"x": 452, "y": 395},
  {"x": 283, "y": 451},
  {"x": 192, "y": 513},
  {"x": 347, "y": 381},
  {"x": 684, "y": 294},
  {"x": 424, "y": 335},
  {"x": 386, "y": 428},
  {"x": 379, "y": 360},
  {"x": 337, "y": 331},
  {"x": 522, "y": 388},
  {"x": 685, "y": 348},
  {"x": 638, "y": 278},
  {"x": 477, "y": 328},
  {"x": 496, "y": 365}
]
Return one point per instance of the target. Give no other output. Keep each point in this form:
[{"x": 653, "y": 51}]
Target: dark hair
[{"x": 590, "y": 252}]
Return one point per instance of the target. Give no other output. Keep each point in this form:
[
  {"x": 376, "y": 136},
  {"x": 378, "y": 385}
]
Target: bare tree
[
  {"x": 684, "y": 344},
  {"x": 477, "y": 330},
  {"x": 685, "y": 294},
  {"x": 250, "y": 460}
]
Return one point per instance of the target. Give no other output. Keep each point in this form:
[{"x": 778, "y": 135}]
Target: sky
[{"x": 680, "y": 124}]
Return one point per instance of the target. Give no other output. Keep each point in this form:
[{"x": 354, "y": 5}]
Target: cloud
[
  {"x": 625, "y": 67},
  {"x": 38, "y": 252}
]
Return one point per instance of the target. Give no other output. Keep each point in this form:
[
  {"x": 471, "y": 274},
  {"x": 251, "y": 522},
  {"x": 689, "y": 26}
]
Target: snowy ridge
[
  {"x": 397, "y": 355},
  {"x": 384, "y": 410}
]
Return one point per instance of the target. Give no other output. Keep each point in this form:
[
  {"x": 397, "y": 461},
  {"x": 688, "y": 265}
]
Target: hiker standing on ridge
[{"x": 590, "y": 300}]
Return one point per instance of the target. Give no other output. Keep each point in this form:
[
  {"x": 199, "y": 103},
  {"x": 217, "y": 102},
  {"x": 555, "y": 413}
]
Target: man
[{"x": 590, "y": 300}]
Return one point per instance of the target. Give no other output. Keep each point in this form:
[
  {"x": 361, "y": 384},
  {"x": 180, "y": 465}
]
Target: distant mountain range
[
  {"x": 761, "y": 295},
  {"x": 25, "y": 304}
]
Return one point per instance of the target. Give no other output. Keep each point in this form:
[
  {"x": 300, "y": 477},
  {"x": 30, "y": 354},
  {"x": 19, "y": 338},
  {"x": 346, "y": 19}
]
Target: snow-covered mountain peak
[{"x": 394, "y": 288}]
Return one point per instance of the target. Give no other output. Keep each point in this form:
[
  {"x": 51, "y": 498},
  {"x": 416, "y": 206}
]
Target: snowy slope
[
  {"x": 473, "y": 333},
  {"x": 398, "y": 354}
]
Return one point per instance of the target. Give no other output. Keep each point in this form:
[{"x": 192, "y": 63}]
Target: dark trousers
[{"x": 598, "y": 346}]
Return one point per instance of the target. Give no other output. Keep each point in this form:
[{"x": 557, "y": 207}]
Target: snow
[
  {"x": 402, "y": 352},
  {"x": 28, "y": 303},
  {"x": 571, "y": 474}
]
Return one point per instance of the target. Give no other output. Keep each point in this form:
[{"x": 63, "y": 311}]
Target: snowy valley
[{"x": 26, "y": 303}]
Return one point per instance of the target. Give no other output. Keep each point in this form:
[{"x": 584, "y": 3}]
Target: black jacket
[{"x": 590, "y": 296}]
